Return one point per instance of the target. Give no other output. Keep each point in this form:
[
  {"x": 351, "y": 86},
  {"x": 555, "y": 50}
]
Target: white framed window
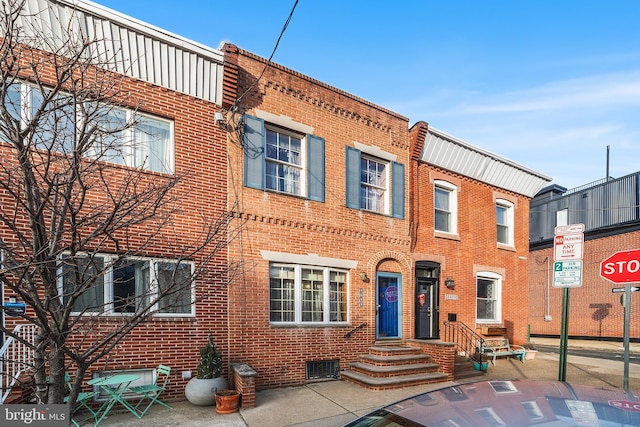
[
  {"x": 124, "y": 136},
  {"x": 147, "y": 144},
  {"x": 56, "y": 130},
  {"x": 284, "y": 160},
  {"x": 504, "y": 222},
  {"x": 445, "y": 207},
  {"x": 284, "y": 156},
  {"x": 374, "y": 184},
  {"x": 375, "y": 181},
  {"x": 488, "y": 297},
  {"x": 125, "y": 285},
  {"x": 301, "y": 294}
]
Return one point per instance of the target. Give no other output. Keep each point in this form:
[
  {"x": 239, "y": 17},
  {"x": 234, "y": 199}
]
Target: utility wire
[{"x": 284, "y": 28}]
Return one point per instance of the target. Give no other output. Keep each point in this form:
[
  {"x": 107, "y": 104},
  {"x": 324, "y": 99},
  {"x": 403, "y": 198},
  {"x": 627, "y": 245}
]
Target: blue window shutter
[
  {"x": 254, "y": 142},
  {"x": 397, "y": 192},
  {"x": 353, "y": 178},
  {"x": 315, "y": 167}
]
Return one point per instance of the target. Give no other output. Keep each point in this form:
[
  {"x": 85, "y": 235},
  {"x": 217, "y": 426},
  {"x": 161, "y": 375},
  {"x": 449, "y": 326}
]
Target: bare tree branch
[{"x": 74, "y": 212}]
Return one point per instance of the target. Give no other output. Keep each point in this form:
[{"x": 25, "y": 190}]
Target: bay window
[{"x": 307, "y": 294}]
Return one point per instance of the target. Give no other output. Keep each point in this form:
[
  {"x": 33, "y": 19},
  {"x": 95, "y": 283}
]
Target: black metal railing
[
  {"x": 357, "y": 328},
  {"x": 466, "y": 339}
]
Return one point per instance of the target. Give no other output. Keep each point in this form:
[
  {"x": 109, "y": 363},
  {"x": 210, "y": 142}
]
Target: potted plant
[
  {"x": 480, "y": 361},
  {"x": 227, "y": 401},
  {"x": 201, "y": 389}
]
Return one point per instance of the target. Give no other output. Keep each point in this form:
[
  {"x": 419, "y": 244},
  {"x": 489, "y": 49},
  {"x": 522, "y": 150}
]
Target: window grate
[{"x": 320, "y": 369}]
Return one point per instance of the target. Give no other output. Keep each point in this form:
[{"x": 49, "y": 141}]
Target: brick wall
[
  {"x": 200, "y": 157},
  {"x": 474, "y": 249},
  {"x": 292, "y": 225},
  {"x": 594, "y": 311}
]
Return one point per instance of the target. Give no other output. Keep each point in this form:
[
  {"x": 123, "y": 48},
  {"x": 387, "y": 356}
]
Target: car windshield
[{"x": 518, "y": 403}]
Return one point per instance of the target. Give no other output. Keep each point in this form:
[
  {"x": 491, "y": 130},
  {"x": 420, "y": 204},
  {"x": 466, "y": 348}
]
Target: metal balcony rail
[
  {"x": 16, "y": 357},
  {"x": 466, "y": 339}
]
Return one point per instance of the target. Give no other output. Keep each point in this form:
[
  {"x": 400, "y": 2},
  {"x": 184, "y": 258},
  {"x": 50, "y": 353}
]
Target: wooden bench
[{"x": 496, "y": 347}]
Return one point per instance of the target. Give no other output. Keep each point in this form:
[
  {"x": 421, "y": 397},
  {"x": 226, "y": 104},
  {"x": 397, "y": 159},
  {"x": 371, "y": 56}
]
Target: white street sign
[
  {"x": 567, "y": 274},
  {"x": 568, "y": 247},
  {"x": 569, "y": 229}
]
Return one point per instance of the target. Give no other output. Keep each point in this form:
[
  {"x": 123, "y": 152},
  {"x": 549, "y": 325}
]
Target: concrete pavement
[{"x": 333, "y": 403}]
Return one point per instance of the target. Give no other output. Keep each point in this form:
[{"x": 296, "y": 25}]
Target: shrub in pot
[{"x": 201, "y": 389}]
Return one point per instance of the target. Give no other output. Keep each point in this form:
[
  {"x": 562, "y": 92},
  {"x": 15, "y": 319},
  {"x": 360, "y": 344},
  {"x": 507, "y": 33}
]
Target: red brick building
[
  {"x": 470, "y": 219},
  {"x": 317, "y": 181},
  {"x": 174, "y": 91},
  {"x": 348, "y": 228},
  {"x": 329, "y": 255},
  {"x": 608, "y": 209}
]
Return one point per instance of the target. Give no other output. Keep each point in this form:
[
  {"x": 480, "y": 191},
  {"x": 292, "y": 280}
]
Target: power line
[{"x": 284, "y": 28}]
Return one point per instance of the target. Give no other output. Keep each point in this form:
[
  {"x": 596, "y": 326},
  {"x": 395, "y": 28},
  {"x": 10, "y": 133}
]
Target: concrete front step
[
  {"x": 393, "y": 370},
  {"x": 396, "y": 359},
  {"x": 398, "y": 381},
  {"x": 389, "y": 366},
  {"x": 387, "y": 350}
]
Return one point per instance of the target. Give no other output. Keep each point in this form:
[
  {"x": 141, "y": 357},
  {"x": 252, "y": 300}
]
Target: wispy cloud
[{"x": 560, "y": 128}]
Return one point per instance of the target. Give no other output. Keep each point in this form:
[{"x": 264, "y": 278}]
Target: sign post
[
  {"x": 567, "y": 254},
  {"x": 623, "y": 267}
]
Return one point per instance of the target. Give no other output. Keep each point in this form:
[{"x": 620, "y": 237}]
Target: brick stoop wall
[
  {"x": 243, "y": 380},
  {"x": 442, "y": 353}
]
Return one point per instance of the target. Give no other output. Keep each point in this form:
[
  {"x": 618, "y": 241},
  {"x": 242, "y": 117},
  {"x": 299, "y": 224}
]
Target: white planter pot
[{"x": 202, "y": 392}]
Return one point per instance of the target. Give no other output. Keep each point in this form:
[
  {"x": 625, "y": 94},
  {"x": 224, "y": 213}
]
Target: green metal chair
[
  {"x": 153, "y": 391},
  {"x": 84, "y": 397}
]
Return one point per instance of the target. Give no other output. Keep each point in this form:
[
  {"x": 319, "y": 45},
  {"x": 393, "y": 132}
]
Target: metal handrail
[
  {"x": 16, "y": 357},
  {"x": 466, "y": 339}
]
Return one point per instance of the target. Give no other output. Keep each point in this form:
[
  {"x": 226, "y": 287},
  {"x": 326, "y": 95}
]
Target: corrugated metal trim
[
  {"x": 453, "y": 154},
  {"x": 129, "y": 47}
]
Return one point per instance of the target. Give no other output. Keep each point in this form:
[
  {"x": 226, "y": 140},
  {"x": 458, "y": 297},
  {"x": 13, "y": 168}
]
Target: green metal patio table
[{"x": 114, "y": 386}]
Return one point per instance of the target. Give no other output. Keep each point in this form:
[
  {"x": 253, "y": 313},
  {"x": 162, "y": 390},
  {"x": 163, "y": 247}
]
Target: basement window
[{"x": 322, "y": 369}]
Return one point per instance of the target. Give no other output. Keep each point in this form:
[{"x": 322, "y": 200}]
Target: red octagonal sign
[{"x": 622, "y": 267}]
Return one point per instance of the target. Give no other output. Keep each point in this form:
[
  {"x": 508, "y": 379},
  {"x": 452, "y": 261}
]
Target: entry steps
[{"x": 387, "y": 367}]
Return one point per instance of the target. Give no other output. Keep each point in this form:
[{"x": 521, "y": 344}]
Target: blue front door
[{"x": 389, "y": 307}]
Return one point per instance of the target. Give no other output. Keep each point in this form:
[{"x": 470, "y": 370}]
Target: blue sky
[{"x": 547, "y": 84}]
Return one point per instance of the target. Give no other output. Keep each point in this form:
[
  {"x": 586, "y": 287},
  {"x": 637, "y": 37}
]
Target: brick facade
[
  {"x": 173, "y": 341},
  {"x": 594, "y": 311},
  {"x": 474, "y": 248},
  {"x": 291, "y": 225}
]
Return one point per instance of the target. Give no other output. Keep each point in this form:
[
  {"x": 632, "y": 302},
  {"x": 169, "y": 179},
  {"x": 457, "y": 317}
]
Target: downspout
[{"x": 547, "y": 316}]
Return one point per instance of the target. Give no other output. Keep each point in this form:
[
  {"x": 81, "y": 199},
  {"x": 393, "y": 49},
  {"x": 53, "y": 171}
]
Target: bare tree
[{"x": 69, "y": 194}]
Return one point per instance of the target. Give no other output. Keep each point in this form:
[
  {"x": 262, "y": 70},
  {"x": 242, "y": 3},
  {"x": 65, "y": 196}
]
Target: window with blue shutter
[
  {"x": 274, "y": 160},
  {"x": 254, "y": 140},
  {"x": 397, "y": 191},
  {"x": 367, "y": 184}
]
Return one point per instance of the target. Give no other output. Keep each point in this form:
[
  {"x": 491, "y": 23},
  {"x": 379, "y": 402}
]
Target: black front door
[{"x": 426, "y": 301}]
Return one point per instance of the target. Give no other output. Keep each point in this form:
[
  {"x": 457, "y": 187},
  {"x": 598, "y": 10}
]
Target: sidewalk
[{"x": 333, "y": 403}]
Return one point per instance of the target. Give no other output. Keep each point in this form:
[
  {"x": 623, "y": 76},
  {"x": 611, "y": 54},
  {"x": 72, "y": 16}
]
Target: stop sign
[{"x": 622, "y": 267}]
